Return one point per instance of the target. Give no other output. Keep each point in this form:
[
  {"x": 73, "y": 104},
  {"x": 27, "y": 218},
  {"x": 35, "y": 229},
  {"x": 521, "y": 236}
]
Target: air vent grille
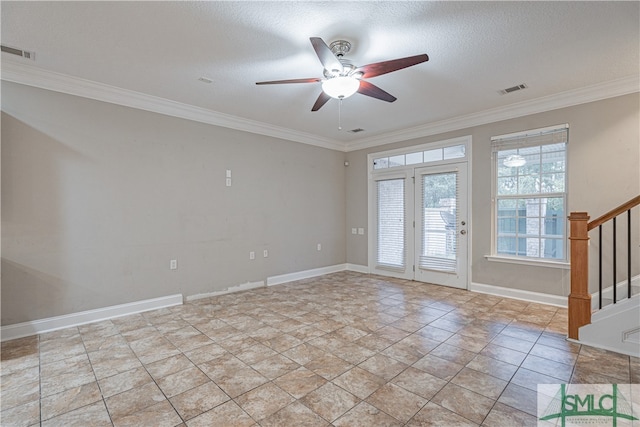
[
  {"x": 513, "y": 89},
  {"x": 356, "y": 130},
  {"x": 19, "y": 52}
]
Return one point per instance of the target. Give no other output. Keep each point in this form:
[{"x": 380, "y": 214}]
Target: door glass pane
[
  {"x": 454, "y": 152},
  {"x": 433, "y": 155},
  {"x": 381, "y": 163},
  {"x": 439, "y": 201},
  {"x": 414, "y": 158},
  {"x": 396, "y": 161},
  {"x": 391, "y": 221}
]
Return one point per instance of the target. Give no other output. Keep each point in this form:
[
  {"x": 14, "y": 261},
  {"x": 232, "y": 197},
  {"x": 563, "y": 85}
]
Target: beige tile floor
[{"x": 345, "y": 349}]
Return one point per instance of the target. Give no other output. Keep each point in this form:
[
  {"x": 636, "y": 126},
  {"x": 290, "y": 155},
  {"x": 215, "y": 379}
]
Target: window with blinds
[
  {"x": 529, "y": 172},
  {"x": 390, "y": 201},
  {"x": 439, "y": 195}
]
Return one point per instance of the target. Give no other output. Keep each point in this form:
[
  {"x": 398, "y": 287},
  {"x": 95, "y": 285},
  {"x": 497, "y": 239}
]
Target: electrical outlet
[
  {"x": 252, "y": 255},
  {"x": 319, "y": 246},
  {"x": 265, "y": 253},
  {"x": 173, "y": 264},
  {"x": 354, "y": 231},
  {"x": 361, "y": 231},
  {"x": 228, "y": 182}
]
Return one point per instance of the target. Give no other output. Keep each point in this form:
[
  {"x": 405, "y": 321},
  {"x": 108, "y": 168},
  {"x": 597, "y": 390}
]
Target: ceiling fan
[{"x": 342, "y": 79}]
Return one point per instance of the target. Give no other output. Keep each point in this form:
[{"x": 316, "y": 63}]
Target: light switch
[
  {"x": 361, "y": 231},
  {"x": 354, "y": 231},
  {"x": 228, "y": 173},
  {"x": 228, "y": 182}
]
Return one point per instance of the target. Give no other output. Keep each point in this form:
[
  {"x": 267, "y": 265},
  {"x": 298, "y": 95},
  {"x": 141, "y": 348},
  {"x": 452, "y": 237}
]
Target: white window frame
[{"x": 546, "y": 262}]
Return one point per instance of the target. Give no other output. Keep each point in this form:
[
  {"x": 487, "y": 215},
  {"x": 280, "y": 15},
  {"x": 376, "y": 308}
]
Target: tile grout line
[{"x": 306, "y": 302}]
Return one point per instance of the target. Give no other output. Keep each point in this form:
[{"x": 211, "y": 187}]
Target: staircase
[{"x": 608, "y": 318}]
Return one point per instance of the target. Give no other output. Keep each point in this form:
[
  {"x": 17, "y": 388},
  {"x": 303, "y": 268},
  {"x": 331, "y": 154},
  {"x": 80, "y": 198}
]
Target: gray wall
[
  {"x": 98, "y": 198},
  {"x": 603, "y": 159}
]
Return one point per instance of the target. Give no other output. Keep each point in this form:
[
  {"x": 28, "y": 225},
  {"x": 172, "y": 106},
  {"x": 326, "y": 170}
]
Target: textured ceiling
[{"x": 475, "y": 49}]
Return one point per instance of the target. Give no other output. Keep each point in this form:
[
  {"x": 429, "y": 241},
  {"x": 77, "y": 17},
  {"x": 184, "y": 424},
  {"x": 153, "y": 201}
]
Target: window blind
[
  {"x": 439, "y": 195},
  {"x": 552, "y": 135},
  {"x": 391, "y": 224}
]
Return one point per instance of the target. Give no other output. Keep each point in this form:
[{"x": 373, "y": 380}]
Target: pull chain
[{"x": 340, "y": 115}]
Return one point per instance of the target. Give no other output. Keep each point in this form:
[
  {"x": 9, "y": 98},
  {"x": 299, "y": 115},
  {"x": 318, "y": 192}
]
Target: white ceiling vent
[
  {"x": 23, "y": 53},
  {"x": 513, "y": 89}
]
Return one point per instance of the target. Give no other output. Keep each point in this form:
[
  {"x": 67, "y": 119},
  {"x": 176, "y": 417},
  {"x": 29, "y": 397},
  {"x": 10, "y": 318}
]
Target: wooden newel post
[{"x": 579, "y": 298}]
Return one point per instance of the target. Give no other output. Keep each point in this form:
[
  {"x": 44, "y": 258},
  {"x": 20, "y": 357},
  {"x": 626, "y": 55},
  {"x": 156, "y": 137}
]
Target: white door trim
[{"x": 372, "y": 174}]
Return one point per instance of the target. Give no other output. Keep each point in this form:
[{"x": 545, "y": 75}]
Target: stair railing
[{"x": 580, "y": 298}]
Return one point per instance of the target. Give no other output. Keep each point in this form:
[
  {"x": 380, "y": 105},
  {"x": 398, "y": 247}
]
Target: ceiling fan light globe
[{"x": 341, "y": 87}]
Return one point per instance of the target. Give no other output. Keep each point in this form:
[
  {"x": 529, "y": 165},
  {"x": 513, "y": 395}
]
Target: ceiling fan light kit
[
  {"x": 341, "y": 87},
  {"x": 342, "y": 79}
]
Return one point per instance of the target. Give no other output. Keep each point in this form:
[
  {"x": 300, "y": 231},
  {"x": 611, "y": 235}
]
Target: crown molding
[
  {"x": 570, "y": 98},
  {"x": 38, "y": 77}
]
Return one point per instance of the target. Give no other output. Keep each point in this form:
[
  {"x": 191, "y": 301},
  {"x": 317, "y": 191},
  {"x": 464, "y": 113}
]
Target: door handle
[{"x": 463, "y": 231}]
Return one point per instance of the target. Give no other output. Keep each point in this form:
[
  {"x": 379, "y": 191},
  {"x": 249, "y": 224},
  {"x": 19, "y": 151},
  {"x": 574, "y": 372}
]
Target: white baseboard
[
  {"x": 41, "y": 326},
  {"x": 50, "y": 324},
  {"x": 537, "y": 297},
  {"x": 358, "y": 268},
  {"x": 229, "y": 290},
  {"x": 300, "y": 275}
]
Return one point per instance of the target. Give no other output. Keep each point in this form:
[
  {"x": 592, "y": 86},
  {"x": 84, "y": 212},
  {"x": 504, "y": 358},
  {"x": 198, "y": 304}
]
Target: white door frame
[{"x": 407, "y": 171}]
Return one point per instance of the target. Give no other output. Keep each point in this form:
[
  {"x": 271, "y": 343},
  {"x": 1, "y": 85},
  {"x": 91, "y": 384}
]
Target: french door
[
  {"x": 421, "y": 224},
  {"x": 441, "y": 238},
  {"x": 392, "y": 249}
]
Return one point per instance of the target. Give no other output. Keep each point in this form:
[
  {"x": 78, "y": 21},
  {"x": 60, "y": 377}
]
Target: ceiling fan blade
[
  {"x": 277, "y": 82},
  {"x": 322, "y": 99},
  {"x": 327, "y": 58},
  {"x": 374, "y": 91},
  {"x": 384, "y": 67}
]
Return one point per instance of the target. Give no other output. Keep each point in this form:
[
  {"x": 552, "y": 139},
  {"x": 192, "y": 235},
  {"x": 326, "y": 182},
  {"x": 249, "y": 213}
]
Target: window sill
[{"x": 522, "y": 261}]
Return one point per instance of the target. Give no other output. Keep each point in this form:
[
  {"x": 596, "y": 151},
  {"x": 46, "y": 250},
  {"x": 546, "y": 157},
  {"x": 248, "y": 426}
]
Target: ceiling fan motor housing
[
  {"x": 340, "y": 47},
  {"x": 347, "y": 70}
]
